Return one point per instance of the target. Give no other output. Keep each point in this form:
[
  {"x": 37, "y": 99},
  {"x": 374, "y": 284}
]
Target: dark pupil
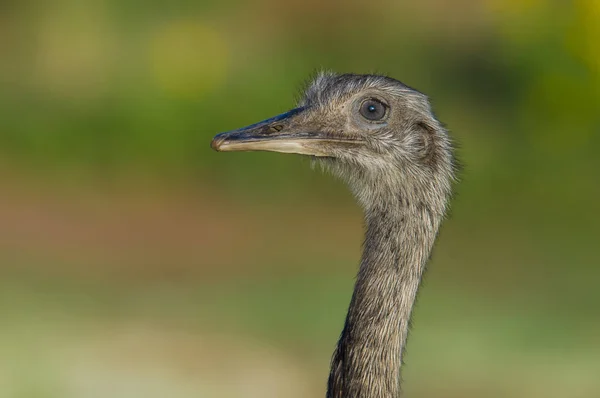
[{"x": 372, "y": 110}]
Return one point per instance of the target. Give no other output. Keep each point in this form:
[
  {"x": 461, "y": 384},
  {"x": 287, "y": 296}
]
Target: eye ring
[{"x": 373, "y": 110}]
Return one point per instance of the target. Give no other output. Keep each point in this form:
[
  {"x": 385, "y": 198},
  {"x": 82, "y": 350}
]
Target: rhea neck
[{"x": 400, "y": 231}]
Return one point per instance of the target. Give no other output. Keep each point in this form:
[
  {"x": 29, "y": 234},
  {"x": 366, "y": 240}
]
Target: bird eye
[{"x": 372, "y": 109}]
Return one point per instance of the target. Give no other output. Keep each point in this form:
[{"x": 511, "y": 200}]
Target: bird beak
[{"x": 290, "y": 132}]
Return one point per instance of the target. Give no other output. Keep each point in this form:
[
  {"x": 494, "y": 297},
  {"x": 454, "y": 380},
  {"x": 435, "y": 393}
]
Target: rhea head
[{"x": 373, "y": 131}]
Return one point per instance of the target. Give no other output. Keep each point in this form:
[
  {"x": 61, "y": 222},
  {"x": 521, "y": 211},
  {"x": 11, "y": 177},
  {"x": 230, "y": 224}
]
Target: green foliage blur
[{"x": 216, "y": 275}]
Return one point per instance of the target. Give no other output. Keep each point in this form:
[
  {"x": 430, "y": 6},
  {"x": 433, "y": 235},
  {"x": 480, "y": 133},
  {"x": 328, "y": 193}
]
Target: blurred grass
[
  {"x": 455, "y": 334},
  {"x": 481, "y": 319},
  {"x": 134, "y": 261}
]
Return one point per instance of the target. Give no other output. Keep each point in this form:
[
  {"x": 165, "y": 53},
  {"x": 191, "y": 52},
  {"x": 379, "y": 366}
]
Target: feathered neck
[{"x": 400, "y": 232}]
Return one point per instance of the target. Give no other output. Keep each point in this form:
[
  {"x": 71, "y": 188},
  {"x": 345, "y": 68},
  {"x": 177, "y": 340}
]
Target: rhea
[{"x": 383, "y": 139}]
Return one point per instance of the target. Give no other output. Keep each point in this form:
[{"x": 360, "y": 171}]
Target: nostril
[{"x": 275, "y": 128}]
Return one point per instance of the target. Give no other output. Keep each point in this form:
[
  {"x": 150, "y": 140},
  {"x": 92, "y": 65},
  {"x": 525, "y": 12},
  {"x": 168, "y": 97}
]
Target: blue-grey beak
[{"x": 290, "y": 132}]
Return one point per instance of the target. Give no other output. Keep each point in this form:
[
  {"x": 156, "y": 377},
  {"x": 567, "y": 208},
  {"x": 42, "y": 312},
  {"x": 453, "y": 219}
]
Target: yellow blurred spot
[
  {"x": 188, "y": 58},
  {"x": 583, "y": 39}
]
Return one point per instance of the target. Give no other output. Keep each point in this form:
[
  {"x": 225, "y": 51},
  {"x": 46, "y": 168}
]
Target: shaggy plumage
[{"x": 382, "y": 138}]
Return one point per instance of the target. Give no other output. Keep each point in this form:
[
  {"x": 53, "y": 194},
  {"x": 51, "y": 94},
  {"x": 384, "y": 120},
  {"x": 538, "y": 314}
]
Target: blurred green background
[{"x": 136, "y": 262}]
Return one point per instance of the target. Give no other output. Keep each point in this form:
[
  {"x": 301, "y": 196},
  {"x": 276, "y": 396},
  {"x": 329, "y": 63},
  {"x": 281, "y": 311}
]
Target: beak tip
[{"x": 216, "y": 143}]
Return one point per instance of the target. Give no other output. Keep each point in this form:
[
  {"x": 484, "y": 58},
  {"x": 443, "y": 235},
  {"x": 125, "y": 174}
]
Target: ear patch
[{"x": 428, "y": 150}]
